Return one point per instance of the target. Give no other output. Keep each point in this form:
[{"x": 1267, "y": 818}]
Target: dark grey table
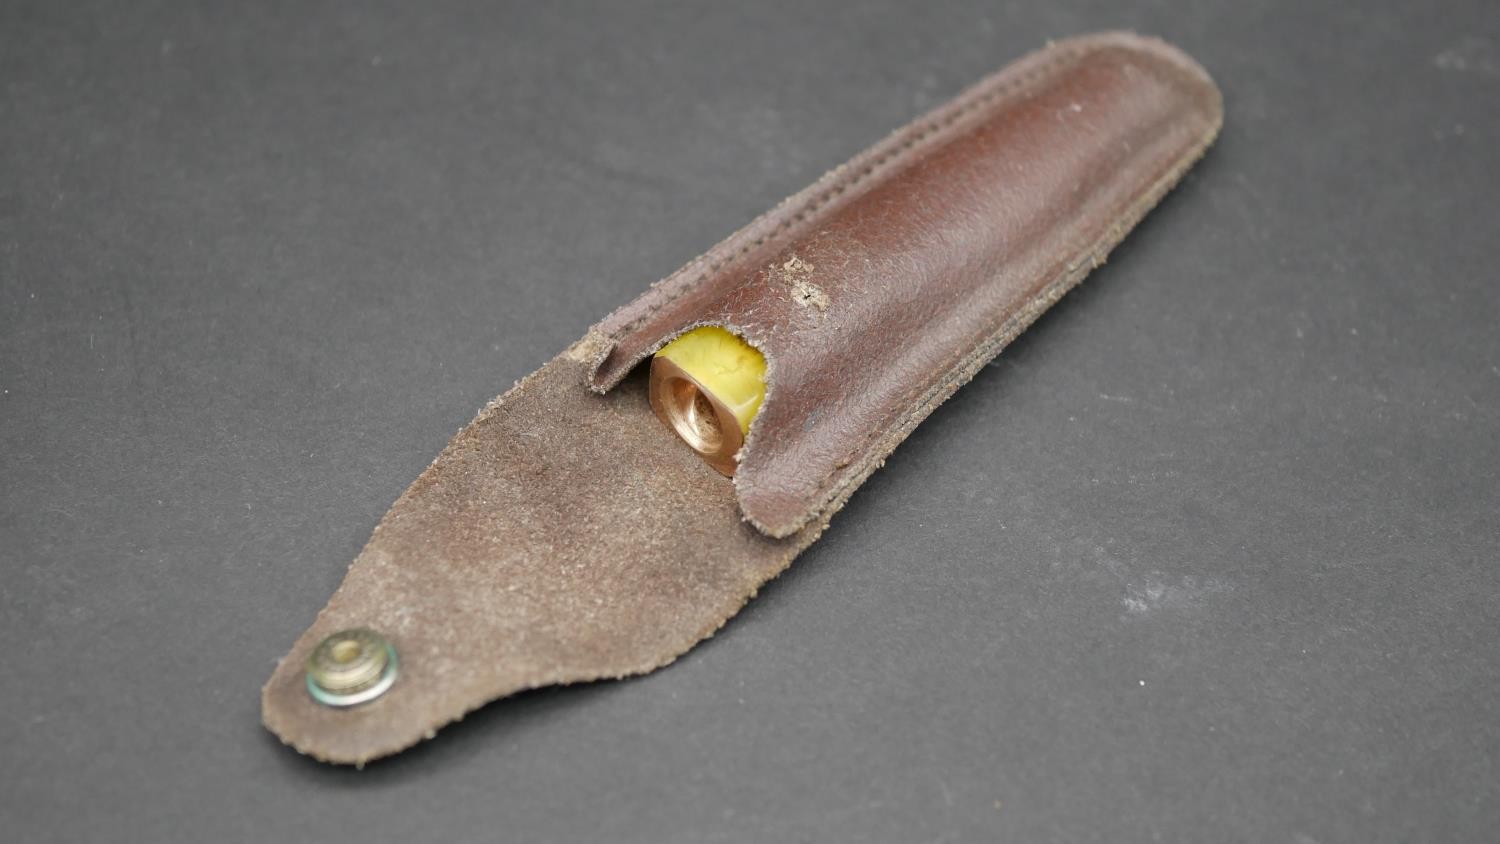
[{"x": 1209, "y": 554}]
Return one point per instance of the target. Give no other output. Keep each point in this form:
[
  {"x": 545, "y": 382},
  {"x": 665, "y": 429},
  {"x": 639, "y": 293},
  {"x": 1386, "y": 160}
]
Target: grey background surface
[{"x": 1209, "y": 554}]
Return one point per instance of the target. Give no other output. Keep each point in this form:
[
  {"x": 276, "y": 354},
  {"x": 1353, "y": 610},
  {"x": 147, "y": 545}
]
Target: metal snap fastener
[{"x": 350, "y": 667}]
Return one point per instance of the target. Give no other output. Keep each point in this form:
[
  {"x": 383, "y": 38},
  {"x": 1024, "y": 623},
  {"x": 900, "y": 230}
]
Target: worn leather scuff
[{"x": 533, "y": 553}]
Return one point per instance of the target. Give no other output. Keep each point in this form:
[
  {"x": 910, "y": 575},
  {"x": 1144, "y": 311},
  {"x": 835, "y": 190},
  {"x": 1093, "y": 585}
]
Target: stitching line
[{"x": 814, "y": 204}]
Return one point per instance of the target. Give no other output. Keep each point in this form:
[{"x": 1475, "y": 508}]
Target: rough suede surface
[{"x": 530, "y": 554}]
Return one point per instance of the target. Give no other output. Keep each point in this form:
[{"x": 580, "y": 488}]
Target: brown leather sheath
[{"x": 566, "y": 535}]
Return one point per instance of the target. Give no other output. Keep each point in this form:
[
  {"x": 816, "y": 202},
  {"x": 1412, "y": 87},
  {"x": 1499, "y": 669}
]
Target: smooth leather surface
[
  {"x": 565, "y": 536},
  {"x": 878, "y": 291}
]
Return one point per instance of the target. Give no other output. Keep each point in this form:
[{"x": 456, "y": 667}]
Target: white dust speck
[{"x": 1470, "y": 54}]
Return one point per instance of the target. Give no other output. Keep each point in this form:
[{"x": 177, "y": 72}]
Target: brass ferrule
[{"x": 705, "y": 423}]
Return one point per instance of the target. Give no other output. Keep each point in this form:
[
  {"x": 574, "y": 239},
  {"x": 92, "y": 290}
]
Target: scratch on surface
[{"x": 1130, "y": 400}]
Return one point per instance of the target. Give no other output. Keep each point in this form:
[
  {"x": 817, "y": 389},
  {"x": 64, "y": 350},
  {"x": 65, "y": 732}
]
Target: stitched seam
[
  {"x": 849, "y": 181},
  {"x": 1073, "y": 272}
]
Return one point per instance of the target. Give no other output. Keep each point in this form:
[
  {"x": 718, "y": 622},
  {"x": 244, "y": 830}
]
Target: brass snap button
[{"x": 350, "y": 667}]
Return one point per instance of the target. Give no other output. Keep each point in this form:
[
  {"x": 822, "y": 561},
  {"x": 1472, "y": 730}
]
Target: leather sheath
[{"x": 565, "y": 535}]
